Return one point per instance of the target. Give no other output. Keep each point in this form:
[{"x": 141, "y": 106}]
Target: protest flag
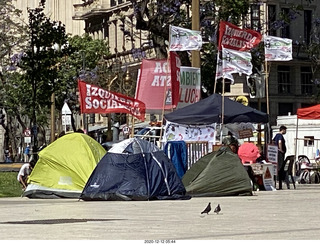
[
  {"x": 94, "y": 99},
  {"x": 236, "y": 62},
  {"x": 233, "y": 37},
  {"x": 277, "y": 48},
  {"x": 181, "y": 39}
]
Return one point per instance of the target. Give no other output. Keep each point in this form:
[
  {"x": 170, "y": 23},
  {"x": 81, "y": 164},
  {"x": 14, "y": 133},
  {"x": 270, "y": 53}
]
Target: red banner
[
  {"x": 233, "y": 37},
  {"x": 94, "y": 99},
  {"x": 159, "y": 83}
]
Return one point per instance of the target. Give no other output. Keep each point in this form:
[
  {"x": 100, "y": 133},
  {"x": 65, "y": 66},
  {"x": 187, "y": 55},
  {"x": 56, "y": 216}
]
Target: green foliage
[
  {"x": 233, "y": 11},
  {"x": 156, "y": 16},
  {"x": 9, "y": 187},
  {"x": 47, "y": 44},
  {"x": 12, "y": 34},
  {"x": 81, "y": 63}
]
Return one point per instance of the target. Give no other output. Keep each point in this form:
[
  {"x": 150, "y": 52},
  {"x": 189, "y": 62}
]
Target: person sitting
[
  {"x": 231, "y": 141},
  {"x": 24, "y": 173}
]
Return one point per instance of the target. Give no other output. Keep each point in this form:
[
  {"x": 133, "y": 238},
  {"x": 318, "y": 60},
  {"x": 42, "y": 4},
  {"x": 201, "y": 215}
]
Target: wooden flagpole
[
  {"x": 222, "y": 109},
  {"x": 267, "y": 85},
  {"x": 267, "y": 97},
  {"x": 222, "y": 99},
  {"x": 215, "y": 82},
  {"x": 165, "y": 95}
]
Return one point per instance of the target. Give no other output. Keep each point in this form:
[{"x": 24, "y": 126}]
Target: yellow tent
[{"x": 64, "y": 167}]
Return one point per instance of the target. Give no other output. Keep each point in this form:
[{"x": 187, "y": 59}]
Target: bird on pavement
[
  {"x": 217, "y": 209},
  {"x": 207, "y": 209}
]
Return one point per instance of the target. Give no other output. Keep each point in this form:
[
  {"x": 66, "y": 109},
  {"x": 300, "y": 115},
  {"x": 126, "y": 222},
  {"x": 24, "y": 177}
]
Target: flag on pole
[
  {"x": 233, "y": 37},
  {"x": 236, "y": 62},
  {"x": 277, "y": 48},
  {"x": 94, "y": 99},
  {"x": 159, "y": 79},
  {"x": 219, "y": 71},
  {"x": 181, "y": 39}
]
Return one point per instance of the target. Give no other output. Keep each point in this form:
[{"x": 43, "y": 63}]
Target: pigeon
[
  {"x": 217, "y": 209},
  {"x": 207, "y": 209}
]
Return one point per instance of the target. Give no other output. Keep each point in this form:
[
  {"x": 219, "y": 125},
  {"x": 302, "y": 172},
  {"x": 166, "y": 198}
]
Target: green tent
[
  {"x": 64, "y": 167},
  {"x": 219, "y": 173}
]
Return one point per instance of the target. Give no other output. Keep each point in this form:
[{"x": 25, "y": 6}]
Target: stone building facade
[{"x": 290, "y": 85}]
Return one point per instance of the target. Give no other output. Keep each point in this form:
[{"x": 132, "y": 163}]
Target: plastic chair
[
  {"x": 289, "y": 161},
  {"x": 304, "y": 167}
]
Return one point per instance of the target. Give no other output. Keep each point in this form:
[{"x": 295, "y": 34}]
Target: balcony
[{"x": 98, "y": 7}]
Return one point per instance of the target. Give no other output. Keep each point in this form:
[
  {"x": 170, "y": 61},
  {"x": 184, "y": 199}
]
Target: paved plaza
[{"x": 280, "y": 215}]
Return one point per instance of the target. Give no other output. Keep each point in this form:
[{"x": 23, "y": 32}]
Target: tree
[
  {"x": 313, "y": 51},
  {"x": 156, "y": 16},
  {"x": 82, "y": 63},
  {"x": 11, "y": 35}
]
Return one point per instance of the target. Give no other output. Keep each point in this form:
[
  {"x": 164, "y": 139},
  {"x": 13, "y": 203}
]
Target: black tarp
[
  {"x": 209, "y": 110},
  {"x": 140, "y": 172}
]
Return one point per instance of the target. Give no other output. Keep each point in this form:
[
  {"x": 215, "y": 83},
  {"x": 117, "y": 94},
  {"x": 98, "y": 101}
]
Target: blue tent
[{"x": 134, "y": 169}]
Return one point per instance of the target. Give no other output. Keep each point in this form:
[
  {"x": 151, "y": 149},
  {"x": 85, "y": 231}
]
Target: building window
[
  {"x": 285, "y": 30},
  {"x": 285, "y": 108},
  {"x": 308, "y": 141},
  {"x": 116, "y": 2},
  {"x": 284, "y": 85},
  {"x": 272, "y": 14},
  {"x": 306, "y": 83},
  {"x": 227, "y": 86},
  {"x": 255, "y": 17},
  {"x": 307, "y": 25}
]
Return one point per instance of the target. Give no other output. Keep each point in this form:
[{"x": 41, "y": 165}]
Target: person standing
[
  {"x": 282, "y": 149},
  {"x": 26, "y": 153}
]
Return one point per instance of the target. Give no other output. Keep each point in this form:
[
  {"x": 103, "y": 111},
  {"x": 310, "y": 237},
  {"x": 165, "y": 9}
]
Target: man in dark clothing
[{"x": 281, "y": 143}]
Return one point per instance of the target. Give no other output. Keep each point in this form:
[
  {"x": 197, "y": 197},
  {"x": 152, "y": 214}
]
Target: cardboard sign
[{"x": 245, "y": 133}]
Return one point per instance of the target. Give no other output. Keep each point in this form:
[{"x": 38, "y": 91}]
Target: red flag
[
  {"x": 233, "y": 37},
  {"x": 159, "y": 83},
  {"x": 94, "y": 99}
]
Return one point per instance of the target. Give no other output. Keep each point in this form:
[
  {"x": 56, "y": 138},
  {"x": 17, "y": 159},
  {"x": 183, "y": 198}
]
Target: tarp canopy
[
  {"x": 64, "y": 167},
  {"x": 135, "y": 169},
  {"x": 209, "y": 110},
  {"x": 219, "y": 173},
  {"x": 312, "y": 112}
]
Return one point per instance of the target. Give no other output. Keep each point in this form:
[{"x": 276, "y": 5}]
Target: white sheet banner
[
  {"x": 179, "y": 132},
  {"x": 181, "y": 39},
  {"x": 277, "y": 48},
  {"x": 236, "y": 62}
]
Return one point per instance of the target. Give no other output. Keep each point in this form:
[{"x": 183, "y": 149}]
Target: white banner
[
  {"x": 236, "y": 62},
  {"x": 190, "y": 84},
  {"x": 181, "y": 39},
  {"x": 219, "y": 72},
  {"x": 277, "y": 49},
  {"x": 179, "y": 132}
]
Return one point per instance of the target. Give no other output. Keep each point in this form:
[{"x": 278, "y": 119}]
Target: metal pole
[{"x": 53, "y": 121}]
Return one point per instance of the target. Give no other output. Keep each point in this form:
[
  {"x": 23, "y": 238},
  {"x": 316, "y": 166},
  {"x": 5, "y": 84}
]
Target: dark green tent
[{"x": 219, "y": 173}]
